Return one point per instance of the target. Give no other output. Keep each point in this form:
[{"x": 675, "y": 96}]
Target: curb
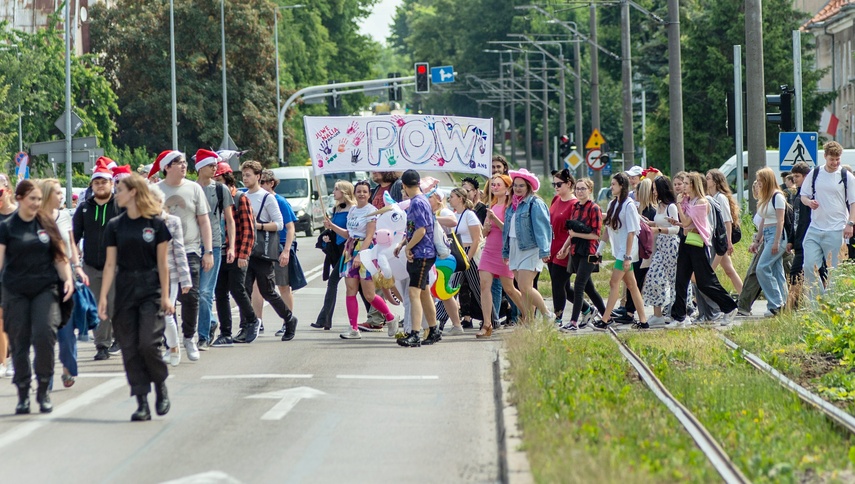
[{"x": 514, "y": 468}]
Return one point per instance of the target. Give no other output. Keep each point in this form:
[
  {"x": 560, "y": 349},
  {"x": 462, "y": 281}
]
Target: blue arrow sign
[
  {"x": 795, "y": 147},
  {"x": 441, "y": 75}
]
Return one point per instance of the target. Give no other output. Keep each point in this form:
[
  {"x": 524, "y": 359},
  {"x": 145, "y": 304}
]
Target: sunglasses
[
  {"x": 266, "y": 181},
  {"x": 558, "y": 184}
]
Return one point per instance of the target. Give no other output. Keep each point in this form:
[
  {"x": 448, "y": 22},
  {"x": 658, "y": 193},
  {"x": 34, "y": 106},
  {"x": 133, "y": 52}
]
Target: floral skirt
[
  {"x": 658, "y": 287},
  {"x": 351, "y": 250}
]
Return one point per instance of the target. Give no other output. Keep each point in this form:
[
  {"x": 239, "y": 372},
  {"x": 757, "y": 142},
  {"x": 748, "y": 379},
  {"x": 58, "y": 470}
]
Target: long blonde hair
[
  {"x": 644, "y": 194},
  {"x": 47, "y": 185},
  {"x": 147, "y": 204},
  {"x": 767, "y": 189},
  {"x": 722, "y": 186},
  {"x": 696, "y": 184},
  {"x": 346, "y": 189}
]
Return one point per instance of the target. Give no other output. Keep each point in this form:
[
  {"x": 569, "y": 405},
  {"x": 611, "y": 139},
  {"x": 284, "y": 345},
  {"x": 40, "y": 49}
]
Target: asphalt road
[{"x": 316, "y": 409}]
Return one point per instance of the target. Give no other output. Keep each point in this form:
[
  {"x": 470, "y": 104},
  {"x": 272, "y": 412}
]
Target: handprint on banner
[
  {"x": 358, "y": 138},
  {"x": 354, "y": 156},
  {"x": 430, "y": 122},
  {"x": 326, "y": 148},
  {"x": 342, "y": 145},
  {"x": 391, "y": 158},
  {"x": 437, "y": 158},
  {"x": 448, "y": 124},
  {"x": 398, "y": 120},
  {"x": 320, "y": 163},
  {"x": 352, "y": 128}
]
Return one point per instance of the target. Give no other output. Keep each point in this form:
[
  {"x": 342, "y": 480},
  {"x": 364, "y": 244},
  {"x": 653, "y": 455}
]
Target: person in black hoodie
[{"x": 89, "y": 224}]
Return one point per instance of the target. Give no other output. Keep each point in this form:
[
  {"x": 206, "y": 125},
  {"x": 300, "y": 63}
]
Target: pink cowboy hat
[{"x": 526, "y": 175}]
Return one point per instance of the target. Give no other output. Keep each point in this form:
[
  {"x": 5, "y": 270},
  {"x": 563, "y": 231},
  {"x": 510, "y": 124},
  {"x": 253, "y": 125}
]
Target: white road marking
[
  {"x": 85, "y": 399},
  {"x": 288, "y": 399},
  {"x": 256, "y": 376},
  {"x": 388, "y": 377},
  {"x": 218, "y": 477},
  {"x": 114, "y": 374}
]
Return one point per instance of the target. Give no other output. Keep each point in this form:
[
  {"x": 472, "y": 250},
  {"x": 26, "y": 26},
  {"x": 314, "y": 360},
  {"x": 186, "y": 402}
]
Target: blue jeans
[
  {"x": 207, "y": 283},
  {"x": 68, "y": 347},
  {"x": 817, "y": 245},
  {"x": 770, "y": 270}
]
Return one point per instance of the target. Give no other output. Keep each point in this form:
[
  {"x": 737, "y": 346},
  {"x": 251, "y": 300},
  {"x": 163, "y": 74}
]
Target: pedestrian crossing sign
[{"x": 795, "y": 147}]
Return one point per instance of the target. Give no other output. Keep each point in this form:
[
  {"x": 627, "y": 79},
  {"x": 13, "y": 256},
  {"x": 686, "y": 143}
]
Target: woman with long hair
[
  {"x": 771, "y": 205},
  {"x": 559, "y": 214},
  {"x": 658, "y": 289},
  {"x": 526, "y": 239},
  {"x": 646, "y": 206},
  {"x": 333, "y": 246},
  {"x": 7, "y": 208},
  {"x": 360, "y": 234},
  {"x": 137, "y": 242},
  {"x": 719, "y": 190},
  {"x": 33, "y": 259},
  {"x": 693, "y": 258},
  {"x": 623, "y": 224},
  {"x": 581, "y": 247},
  {"x": 492, "y": 266},
  {"x": 51, "y": 203}
]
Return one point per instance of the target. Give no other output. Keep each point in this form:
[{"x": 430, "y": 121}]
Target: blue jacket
[
  {"x": 85, "y": 313},
  {"x": 532, "y": 225}
]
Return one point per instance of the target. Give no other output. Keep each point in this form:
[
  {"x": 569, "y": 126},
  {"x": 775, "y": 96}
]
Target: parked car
[{"x": 307, "y": 195}]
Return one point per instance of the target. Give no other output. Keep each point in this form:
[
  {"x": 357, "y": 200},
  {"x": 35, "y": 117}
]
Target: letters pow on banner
[{"x": 427, "y": 143}]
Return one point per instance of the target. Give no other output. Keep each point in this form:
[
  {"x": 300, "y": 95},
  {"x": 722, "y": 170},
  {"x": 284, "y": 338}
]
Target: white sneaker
[
  {"x": 2, "y": 370},
  {"x": 728, "y": 318},
  {"x": 684, "y": 323},
  {"x": 656, "y": 320},
  {"x": 10, "y": 369},
  {"x": 392, "y": 327},
  {"x": 165, "y": 356},
  {"x": 454, "y": 331},
  {"x": 192, "y": 350},
  {"x": 175, "y": 357},
  {"x": 589, "y": 318},
  {"x": 351, "y": 334}
]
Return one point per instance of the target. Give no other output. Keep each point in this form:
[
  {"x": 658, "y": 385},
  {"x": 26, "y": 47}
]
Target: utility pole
[
  {"x": 226, "y": 137},
  {"x": 626, "y": 78},
  {"x": 755, "y": 87},
  {"x": 68, "y": 132},
  {"x": 577, "y": 95},
  {"x": 562, "y": 104},
  {"x": 644, "y": 129},
  {"x": 797, "y": 78},
  {"x": 513, "y": 112},
  {"x": 675, "y": 88},
  {"x": 595, "y": 94},
  {"x": 172, "y": 74},
  {"x": 527, "y": 116},
  {"x": 502, "y": 103},
  {"x": 547, "y": 163}
]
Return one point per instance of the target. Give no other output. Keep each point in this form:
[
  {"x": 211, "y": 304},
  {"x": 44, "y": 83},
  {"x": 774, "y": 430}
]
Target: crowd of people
[{"x": 139, "y": 244}]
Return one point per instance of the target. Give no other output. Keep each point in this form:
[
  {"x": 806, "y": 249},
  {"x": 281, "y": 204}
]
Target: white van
[
  {"x": 773, "y": 162},
  {"x": 307, "y": 195}
]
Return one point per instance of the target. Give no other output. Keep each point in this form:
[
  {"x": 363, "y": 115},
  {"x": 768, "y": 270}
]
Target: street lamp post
[
  {"x": 172, "y": 74},
  {"x": 278, "y": 89},
  {"x": 226, "y": 137},
  {"x": 68, "y": 133}
]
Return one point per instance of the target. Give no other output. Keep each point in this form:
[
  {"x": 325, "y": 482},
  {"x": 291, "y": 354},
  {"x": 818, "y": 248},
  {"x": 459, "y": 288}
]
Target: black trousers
[
  {"x": 640, "y": 274},
  {"x": 190, "y": 301},
  {"x": 32, "y": 321},
  {"x": 261, "y": 271},
  {"x": 138, "y": 325},
  {"x": 584, "y": 284},
  {"x": 232, "y": 280},
  {"x": 561, "y": 290},
  {"x": 694, "y": 260},
  {"x": 326, "y": 314}
]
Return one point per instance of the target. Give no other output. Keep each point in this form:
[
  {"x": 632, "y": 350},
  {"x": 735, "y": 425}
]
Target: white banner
[{"x": 397, "y": 143}]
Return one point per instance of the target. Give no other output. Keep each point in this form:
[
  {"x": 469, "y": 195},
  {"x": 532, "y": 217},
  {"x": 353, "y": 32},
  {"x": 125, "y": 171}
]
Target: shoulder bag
[
  {"x": 266, "y": 243},
  {"x": 457, "y": 248}
]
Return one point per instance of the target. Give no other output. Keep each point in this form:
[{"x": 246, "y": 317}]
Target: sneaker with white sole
[
  {"x": 191, "y": 349},
  {"x": 728, "y": 318},
  {"x": 684, "y": 323},
  {"x": 351, "y": 334},
  {"x": 656, "y": 320},
  {"x": 392, "y": 327},
  {"x": 175, "y": 356},
  {"x": 454, "y": 331}
]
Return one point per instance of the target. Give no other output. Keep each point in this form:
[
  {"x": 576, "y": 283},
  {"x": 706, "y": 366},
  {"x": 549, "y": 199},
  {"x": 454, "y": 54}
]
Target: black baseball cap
[{"x": 411, "y": 178}]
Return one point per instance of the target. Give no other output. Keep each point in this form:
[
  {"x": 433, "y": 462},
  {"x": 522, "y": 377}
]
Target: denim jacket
[{"x": 533, "y": 227}]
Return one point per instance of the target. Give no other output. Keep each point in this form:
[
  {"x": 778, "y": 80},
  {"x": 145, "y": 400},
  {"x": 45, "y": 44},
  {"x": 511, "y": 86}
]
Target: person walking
[
  {"x": 137, "y": 244},
  {"x": 333, "y": 249},
  {"x": 559, "y": 213},
  {"x": 771, "y": 205},
  {"x": 232, "y": 276},
  {"x": 286, "y": 240},
  {"x": 658, "y": 289},
  {"x": 89, "y": 223},
  {"x": 360, "y": 234},
  {"x": 719, "y": 190},
  {"x": 33, "y": 259},
  {"x": 801, "y": 221},
  {"x": 646, "y": 207},
  {"x": 581, "y": 249},
  {"x": 7, "y": 209},
  {"x": 526, "y": 239},
  {"x": 623, "y": 225}
]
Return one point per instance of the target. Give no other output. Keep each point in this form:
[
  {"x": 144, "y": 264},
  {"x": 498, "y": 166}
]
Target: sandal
[{"x": 67, "y": 380}]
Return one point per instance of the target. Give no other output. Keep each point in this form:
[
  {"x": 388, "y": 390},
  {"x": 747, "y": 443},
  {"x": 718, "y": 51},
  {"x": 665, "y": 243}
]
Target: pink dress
[{"x": 491, "y": 257}]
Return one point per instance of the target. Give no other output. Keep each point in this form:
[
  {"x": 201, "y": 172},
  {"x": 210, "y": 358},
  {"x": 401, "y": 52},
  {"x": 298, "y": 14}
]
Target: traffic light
[
  {"x": 564, "y": 146},
  {"x": 605, "y": 157},
  {"x": 783, "y": 101},
  {"x": 422, "y": 77},
  {"x": 395, "y": 91}
]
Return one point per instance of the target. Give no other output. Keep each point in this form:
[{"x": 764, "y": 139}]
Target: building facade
[{"x": 32, "y": 15}]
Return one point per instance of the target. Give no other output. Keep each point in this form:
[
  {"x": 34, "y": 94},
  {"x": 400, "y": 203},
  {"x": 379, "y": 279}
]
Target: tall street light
[
  {"x": 279, "y": 138},
  {"x": 172, "y": 74},
  {"x": 227, "y": 144}
]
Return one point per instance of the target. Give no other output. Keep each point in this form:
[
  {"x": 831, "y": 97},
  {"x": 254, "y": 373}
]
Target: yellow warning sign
[
  {"x": 573, "y": 160},
  {"x": 595, "y": 141}
]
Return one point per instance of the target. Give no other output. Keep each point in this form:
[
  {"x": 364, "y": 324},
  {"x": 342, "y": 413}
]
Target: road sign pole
[
  {"x": 797, "y": 76},
  {"x": 737, "y": 109},
  {"x": 68, "y": 133}
]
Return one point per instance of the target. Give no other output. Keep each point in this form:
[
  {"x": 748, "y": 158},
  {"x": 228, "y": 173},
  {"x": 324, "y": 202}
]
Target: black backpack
[
  {"x": 843, "y": 179},
  {"x": 718, "y": 238},
  {"x": 789, "y": 219}
]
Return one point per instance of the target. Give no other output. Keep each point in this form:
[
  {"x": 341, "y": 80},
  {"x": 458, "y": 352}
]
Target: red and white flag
[{"x": 828, "y": 123}]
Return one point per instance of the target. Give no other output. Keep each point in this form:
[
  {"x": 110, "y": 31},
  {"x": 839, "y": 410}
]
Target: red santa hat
[
  {"x": 107, "y": 162},
  {"x": 163, "y": 159},
  {"x": 102, "y": 170},
  {"x": 120, "y": 172},
  {"x": 206, "y": 157}
]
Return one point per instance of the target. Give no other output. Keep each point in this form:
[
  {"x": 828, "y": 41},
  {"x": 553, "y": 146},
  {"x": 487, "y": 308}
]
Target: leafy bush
[{"x": 831, "y": 328}]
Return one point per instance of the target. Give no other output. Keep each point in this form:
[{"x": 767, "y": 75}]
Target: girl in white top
[
  {"x": 719, "y": 189},
  {"x": 623, "y": 223},
  {"x": 360, "y": 234},
  {"x": 771, "y": 205}
]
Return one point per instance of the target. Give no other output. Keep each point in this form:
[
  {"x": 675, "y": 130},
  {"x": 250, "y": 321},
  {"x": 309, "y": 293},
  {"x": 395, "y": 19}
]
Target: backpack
[
  {"x": 789, "y": 220},
  {"x": 718, "y": 237},
  {"x": 843, "y": 179}
]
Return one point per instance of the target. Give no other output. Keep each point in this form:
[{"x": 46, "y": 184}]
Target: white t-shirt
[
  {"x": 358, "y": 220},
  {"x": 465, "y": 220},
  {"x": 630, "y": 221},
  {"x": 446, "y": 212},
  {"x": 770, "y": 218},
  {"x": 832, "y": 213},
  {"x": 63, "y": 222},
  {"x": 269, "y": 213},
  {"x": 723, "y": 202},
  {"x": 187, "y": 201}
]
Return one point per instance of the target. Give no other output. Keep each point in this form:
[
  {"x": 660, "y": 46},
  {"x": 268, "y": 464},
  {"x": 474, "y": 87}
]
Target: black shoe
[
  {"x": 43, "y": 397},
  {"x": 23, "y": 400},
  {"x": 600, "y": 325},
  {"x": 625, "y": 319},
  {"x": 433, "y": 336},
  {"x": 102, "y": 354},
  {"x": 203, "y": 344},
  {"x": 223, "y": 342},
  {"x": 619, "y": 311},
  {"x": 251, "y": 331},
  {"x": 411, "y": 340},
  {"x": 466, "y": 324},
  {"x": 114, "y": 348},
  {"x": 161, "y": 405},
  {"x": 641, "y": 326},
  {"x": 241, "y": 336},
  {"x": 261, "y": 327},
  {"x": 314, "y": 325},
  {"x": 290, "y": 329},
  {"x": 142, "y": 413}
]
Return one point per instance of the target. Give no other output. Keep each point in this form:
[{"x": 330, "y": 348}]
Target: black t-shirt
[
  {"x": 6, "y": 217},
  {"x": 29, "y": 265},
  {"x": 481, "y": 212},
  {"x": 136, "y": 241}
]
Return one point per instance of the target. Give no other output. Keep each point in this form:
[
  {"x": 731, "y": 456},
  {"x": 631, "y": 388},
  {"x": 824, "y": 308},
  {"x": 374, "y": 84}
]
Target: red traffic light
[{"x": 421, "y": 69}]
